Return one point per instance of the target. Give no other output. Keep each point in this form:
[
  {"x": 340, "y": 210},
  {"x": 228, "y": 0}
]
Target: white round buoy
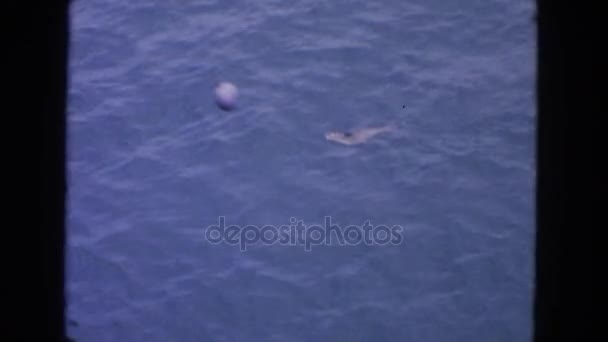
[{"x": 226, "y": 94}]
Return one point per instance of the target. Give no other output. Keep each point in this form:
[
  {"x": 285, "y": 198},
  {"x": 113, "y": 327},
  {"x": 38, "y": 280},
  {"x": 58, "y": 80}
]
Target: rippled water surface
[{"x": 153, "y": 162}]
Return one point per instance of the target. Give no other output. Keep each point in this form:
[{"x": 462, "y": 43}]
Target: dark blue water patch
[
  {"x": 95, "y": 48},
  {"x": 83, "y": 100},
  {"x": 111, "y": 279}
]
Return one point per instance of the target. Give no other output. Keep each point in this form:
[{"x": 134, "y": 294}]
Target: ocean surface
[{"x": 153, "y": 163}]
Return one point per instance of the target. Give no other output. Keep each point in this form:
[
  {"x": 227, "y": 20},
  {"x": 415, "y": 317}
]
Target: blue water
[{"x": 153, "y": 163}]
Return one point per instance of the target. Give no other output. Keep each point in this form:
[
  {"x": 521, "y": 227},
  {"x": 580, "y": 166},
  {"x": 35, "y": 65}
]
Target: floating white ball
[{"x": 226, "y": 95}]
